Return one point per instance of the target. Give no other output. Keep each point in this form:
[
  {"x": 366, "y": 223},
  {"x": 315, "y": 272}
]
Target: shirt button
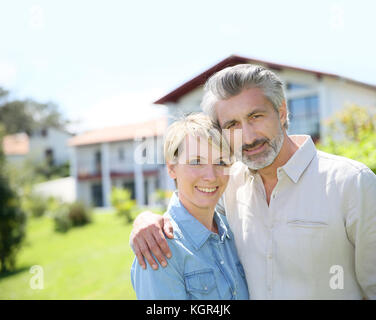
[
  {"x": 270, "y": 256},
  {"x": 234, "y": 293},
  {"x": 205, "y": 288},
  {"x": 222, "y": 262}
]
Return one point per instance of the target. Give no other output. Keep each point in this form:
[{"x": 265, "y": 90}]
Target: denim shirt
[{"x": 204, "y": 265}]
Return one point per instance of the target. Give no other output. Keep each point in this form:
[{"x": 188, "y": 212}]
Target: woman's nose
[{"x": 209, "y": 173}]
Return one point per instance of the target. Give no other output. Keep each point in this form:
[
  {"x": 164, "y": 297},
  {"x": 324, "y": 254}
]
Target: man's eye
[
  {"x": 231, "y": 125},
  {"x": 256, "y": 116}
]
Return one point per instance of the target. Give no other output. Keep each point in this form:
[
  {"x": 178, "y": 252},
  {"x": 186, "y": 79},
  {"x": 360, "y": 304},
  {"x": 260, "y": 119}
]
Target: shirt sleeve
[
  {"x": 162, "y": 284},
  {"x": 361, "y": 228}
]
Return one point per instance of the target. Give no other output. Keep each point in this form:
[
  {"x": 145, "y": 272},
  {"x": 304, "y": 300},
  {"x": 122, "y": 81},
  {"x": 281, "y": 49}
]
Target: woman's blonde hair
[{"x": 196, "y": 125}]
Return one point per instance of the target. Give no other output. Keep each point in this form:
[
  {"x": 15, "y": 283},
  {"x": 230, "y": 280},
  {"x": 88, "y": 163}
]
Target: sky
[{"x": 104, "y": 62}]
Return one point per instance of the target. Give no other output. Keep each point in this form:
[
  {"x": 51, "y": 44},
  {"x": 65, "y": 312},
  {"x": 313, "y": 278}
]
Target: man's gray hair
[{"x": 230, "y": 81}]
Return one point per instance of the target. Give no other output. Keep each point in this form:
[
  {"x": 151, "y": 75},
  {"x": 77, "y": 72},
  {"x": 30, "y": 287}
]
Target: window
[
  {"x": 98, "y": 162},
  {"x": 304, "y": 116},
  {"x": 121, "y": 154},
  {"x": 295, "y": 86},
  {"x": 131, "y": 187},
  {"x": 44, "y": 132},
  {"x": 49, "y": 154},
  {"x": 96, "y": 195}
]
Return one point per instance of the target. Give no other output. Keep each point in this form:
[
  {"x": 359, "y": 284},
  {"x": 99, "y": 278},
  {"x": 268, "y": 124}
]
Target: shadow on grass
[{"x": 14, "y": 272}]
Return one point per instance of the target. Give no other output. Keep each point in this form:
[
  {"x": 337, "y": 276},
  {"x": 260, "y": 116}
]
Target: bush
[
  {"x": 162, "y": 198},
  {"x": 123, "y": 204},
  {"x": 363, "y": 151},
  {"x": 61, "y": 219},
  {"x": 12, "y": 227},
  {"x": 35, "y": 205},
  {"x": 71, "y": 215},
  {"x": 78, "y": 214},
  {"x": 352, "y": 134},
  {"x": 12, "y": 219}
]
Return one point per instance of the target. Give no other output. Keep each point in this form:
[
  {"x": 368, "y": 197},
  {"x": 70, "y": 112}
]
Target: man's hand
[{"x": 147, "y": 235}]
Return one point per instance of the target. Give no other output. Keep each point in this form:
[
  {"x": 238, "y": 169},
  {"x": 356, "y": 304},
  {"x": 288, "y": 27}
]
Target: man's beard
[{"x": 264, "y": 158}]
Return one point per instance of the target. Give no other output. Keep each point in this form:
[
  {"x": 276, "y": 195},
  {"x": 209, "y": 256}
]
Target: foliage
[
  {"x": 35, "y": 205},
  {"x": 61, "y": 219},
  {"x": 162, "y": 197},
  {"x": 352, "y": 134},
  {"x": 12, "y": 221},
  {"x": 28, "y": 115},
  {"x": 12, "y": 226},
  {"x": 50, "y": 172},
  {"x": 122, "y": 202},
  {"x": 79, "y": 215},
  {"x": 71, "y": 215}
]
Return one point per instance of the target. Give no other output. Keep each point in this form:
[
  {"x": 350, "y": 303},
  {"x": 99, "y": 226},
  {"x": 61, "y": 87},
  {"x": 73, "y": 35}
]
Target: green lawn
[{"x": 90, "y": 262}]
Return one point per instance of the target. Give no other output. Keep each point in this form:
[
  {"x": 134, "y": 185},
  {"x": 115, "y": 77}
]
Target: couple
[{"x": 303, "y": 222}]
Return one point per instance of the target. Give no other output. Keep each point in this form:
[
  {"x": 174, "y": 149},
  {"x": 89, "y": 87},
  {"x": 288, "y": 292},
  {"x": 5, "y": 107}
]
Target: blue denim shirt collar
[{"x": 195, "y": 231}]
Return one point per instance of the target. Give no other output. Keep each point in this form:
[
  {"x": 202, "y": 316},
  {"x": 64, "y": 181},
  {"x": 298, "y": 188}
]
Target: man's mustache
[{"x": 255, "y": 144}]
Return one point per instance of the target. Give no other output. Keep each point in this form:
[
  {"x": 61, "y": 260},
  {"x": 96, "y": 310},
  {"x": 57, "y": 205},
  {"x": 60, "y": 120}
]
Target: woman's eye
[
  {"x": 222, "y": 163},
  {"x": 195, "y": 162}
]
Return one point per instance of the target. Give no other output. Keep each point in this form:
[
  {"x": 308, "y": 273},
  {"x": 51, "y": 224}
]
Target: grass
[{"x": 89, "y": 262}]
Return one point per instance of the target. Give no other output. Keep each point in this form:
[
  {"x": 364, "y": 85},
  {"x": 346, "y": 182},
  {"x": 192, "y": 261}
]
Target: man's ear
[
  {"x": 171, "y": 170},
  {"x": 283, "y": 113}
]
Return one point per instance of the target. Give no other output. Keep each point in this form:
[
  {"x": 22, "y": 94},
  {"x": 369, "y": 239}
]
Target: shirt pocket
[
  {"x": 200, "y": 283},
  {"x": 300, "y": 223},
  {"x": 304, "y": 243}
]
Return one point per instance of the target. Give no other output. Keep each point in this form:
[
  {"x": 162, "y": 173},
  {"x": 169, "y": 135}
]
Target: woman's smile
[{"x": 207, "y": 190}]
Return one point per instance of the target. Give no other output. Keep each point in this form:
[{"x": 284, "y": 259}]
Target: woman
[{"x": 204, "y": 262}]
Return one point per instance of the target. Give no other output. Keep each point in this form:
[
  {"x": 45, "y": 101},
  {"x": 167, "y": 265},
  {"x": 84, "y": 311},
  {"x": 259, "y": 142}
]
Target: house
[
  {"x": 46, "y": 145},
  {"x": 312, "y": 96},
  {"x": 129, "y": 156}
]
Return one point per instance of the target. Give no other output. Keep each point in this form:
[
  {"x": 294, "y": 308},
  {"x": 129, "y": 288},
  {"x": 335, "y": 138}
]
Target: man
[{"x": 304, "y": 221}]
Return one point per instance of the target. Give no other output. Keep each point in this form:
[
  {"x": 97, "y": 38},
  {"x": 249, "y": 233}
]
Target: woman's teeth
[{"x": 207, "y": 189}]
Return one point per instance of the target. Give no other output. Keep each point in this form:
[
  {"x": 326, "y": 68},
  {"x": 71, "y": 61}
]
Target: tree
[
  {"x": 352, "y": 134},
  {"x": 12, "y": 220},
  {"x": 28, "y": 115}
]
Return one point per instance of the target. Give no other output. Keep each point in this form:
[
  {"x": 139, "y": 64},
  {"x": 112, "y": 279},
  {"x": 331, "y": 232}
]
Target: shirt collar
[
  {"x": 194, "y": 230},
  {"x": 299, "y": 161}
]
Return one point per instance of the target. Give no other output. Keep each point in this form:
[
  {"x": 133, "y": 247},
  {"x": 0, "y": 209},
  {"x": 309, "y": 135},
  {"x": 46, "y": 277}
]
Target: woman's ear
[{"x": 171, "y": 170}]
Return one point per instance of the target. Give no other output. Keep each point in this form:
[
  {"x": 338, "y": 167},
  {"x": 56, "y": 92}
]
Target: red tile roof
[
  {"x": 233, "y": 60},
  {"x": 16, "y": 144},
  {"x": 120, "y": 133}
]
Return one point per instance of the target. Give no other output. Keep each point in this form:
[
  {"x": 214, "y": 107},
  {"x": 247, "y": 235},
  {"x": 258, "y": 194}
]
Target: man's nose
[{"x": 248, "y": 134}]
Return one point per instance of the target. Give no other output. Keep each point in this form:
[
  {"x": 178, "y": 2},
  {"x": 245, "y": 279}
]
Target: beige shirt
[{"x": 317, "y": 237}]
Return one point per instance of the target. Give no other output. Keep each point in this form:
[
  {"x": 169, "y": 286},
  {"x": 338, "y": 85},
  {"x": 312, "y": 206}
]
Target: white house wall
[
  {"x": 341, "y": 93},
  {"x": 55, "y": 140}
]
